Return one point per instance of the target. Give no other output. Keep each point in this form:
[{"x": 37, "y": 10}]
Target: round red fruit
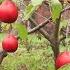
[
  {"x": 8, "y": 11},
  {"x": 10, "y": 43},
  {"x": 62, "y": 59}
]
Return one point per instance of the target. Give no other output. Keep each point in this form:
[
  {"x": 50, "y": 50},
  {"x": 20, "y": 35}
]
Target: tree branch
[
  {"x": 39, "y": 26},
  {"x": 42, "y": 31},
  {"x": 65, "y": 9},
  {"x": 3, "y": 54},
  {"x": 58, "y": 23},
  {"x": 56, "y": 33}
]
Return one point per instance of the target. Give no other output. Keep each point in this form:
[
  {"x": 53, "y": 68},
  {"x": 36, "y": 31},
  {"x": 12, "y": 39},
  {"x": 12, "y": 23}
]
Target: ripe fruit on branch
[
  {"x": 8, "y": 11},
  {"x": 62, "y": 59},
  {"x": 10, "y": 43}
]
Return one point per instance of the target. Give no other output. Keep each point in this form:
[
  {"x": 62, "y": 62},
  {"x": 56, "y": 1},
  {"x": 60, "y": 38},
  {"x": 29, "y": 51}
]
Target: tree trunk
[{"x": 55, "y": 48}]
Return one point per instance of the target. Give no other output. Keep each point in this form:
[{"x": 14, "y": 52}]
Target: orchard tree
[
  {"x": 58, "y": 11},
  {"x": 41, "y": 14}
]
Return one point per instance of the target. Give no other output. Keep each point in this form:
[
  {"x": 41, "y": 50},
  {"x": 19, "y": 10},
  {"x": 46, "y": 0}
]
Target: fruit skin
[
  {"x": 10, "y": 43},
  {"x": 62, "y": 59},
  {"x": 8, "y": 11}
]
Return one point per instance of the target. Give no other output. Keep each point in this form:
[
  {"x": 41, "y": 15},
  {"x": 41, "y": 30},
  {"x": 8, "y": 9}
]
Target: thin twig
[
  {"x": 57, "y": 25},
  {"x": 39, "y": 26},
  {"x": 42, "y": 31},
  {"x": 65, "y": 9}
]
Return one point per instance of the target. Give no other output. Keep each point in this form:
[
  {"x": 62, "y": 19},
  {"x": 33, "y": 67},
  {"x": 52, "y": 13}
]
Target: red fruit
[
  {"x": 8, "y": 11},
  {"x": 62, "y": 59},
  {"x": 10, "y": 43}
]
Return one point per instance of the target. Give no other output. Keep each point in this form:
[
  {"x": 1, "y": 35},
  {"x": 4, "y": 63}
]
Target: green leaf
[
  {"x": 22, "y": 31},
  {"x": 36, "y": 2},
  {"x": 56, "y": 9},
  {"x": 28, "y": 11}
]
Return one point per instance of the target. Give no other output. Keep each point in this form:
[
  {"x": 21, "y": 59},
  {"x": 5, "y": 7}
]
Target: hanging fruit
[
  {"x": 10, "y": 43},
  {"x": 8, "y": 11},
  {"x": 62, "y": 59}
]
